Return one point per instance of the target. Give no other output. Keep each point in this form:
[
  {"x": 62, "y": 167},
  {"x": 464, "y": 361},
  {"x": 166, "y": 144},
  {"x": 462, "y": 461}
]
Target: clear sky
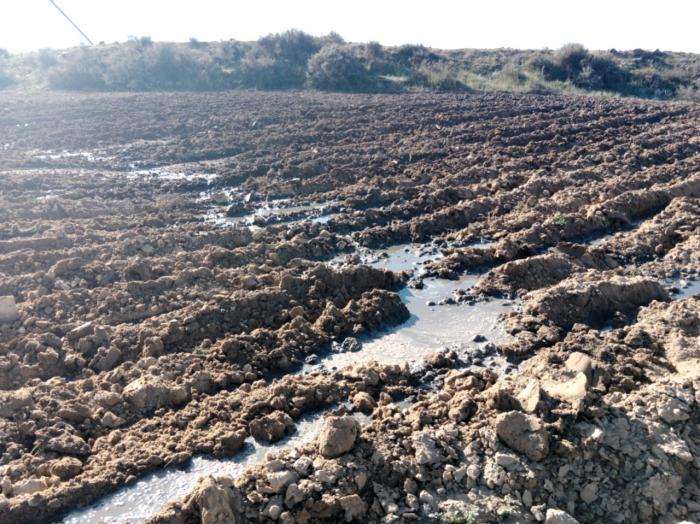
[{"x": 598, "y": 24}]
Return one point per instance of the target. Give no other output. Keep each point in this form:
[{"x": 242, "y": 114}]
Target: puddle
[
  {"x": 275, "y": 212},
  {"x": 431, "y": 327},
  {"x": 685, "y": 288},
  {"x": 172, "y": 175},
  {"x": 146, "y": 496},
  {"x": 402, "y": 257},
  {"x": 87, "y": 155},
  {"x": 619, "y": 234}
]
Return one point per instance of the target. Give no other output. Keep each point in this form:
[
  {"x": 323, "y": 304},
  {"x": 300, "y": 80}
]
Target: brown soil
[{"x": 145, "y": 333}]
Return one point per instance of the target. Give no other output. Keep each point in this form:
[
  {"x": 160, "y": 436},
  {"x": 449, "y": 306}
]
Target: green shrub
[
  {"x": 337, "y": 67},
  {"x": 6, "y": 77}
]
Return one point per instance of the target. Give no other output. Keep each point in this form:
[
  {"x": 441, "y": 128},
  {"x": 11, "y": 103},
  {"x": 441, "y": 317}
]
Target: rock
[
  {"x": 8, "y": 310},
  {"x": 281, "y": 479},
  {"x": 425, "y": 497},
  {"x": 232, "y": 442},
  {"x": 293, "y": 495},
  {"x": 350, "y": 344},
  {"x": 557, "y": 516},
  {"x": 108, "y": 399},
  {"x": 68, "y": 444},
  {"x": 274, "y": 511},
  {"x": 425, "y": 450},
  {"x": 674, "y": 410},
  {"x": 302, "y": 465},
  {"x": 28, "y": 487},
  {"x": 13, "y": 401},
  {"x": 354, "y": 507},
  {"x": 529, "y": 397},
  {"x": 66, "y": 468},
  {"x": 218, "y": 501},
  {"x": 364, "y": 402},
  {"x": 589, "y": 493},
  {"x": 506, "y": 460},
  {"x": 74, "y": 413},
  {"x": 111, "y": 420},
  {"x": 462, "y": 406},
  {"x": 338, "y": 436},
  {"x": 148, "y": 394},
  {"x": 572, "y": 391},
  {"x": 106, "y": 359},
  {"x": 272, "y": 427},
  {"x": 579, "y": 363},
  {"x": 523, "y": 433},
  {"x": 249, "y": 282},
  {"x": 473, "y": 471}
]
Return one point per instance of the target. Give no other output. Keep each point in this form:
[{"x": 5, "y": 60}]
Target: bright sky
[{"x": 598, "y": 24}]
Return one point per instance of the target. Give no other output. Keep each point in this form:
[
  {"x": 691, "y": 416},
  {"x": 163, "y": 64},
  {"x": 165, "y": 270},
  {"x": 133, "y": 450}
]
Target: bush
[
  {"x": 574, "y": 63},
  {"x": 77, "y": 71},
  {"x": 278, "y": 61},
  {"x": 440, "y": 76},
  {"x": 6, "y": 78},
  {"x": 338, "y": 67}
]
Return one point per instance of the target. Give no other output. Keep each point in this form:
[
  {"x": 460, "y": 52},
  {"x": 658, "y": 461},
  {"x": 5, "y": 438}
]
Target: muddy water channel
[
  {"x": 146, "y": 496},
  {"x": 277, "y": 211},
  {"x": 438, "y": 320}
]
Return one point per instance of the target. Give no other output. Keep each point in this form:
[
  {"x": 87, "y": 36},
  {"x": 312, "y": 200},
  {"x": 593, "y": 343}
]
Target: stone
[
  {"x": 302, "y": 465},
  {"x": 338, "y": 436},
  {"x": 293, "y": 495},
  {"x": 272, "y": 427},
  {"x": 425, "y": 497},
  {"x": 523, "y": 433},
  {"x": 426, "y": 451},
  {"x": 350, "y": 344},
  {"x": 148, "y": 394},
  {"x": 473, "y": 471},
  {"x": 589, "y": 493},
  {"x": 579, "y": 363},
  {"x": 66, "y": 468},
  {"x": 364, "y": 402},
  {"x": 572, "y": 391},
  {"x": 674, "y": 410},
  {"x": 506, "y": 460},
  {"x": 106, "y": 359},
  {"x": 28, "y": 487},
  {"x": 111, "y": 420},
  {"x": 68, "y": 444},
  {"x": 218, "y": 502},
  {"x": 8, "y": 310},
  {"x": 108, "y": 399},
  {"x": 557, "y": 516},
  {"x": 529, "y": 397},
  {"x": 354, "y": 506},
  {"x": 281, "y": 479}
]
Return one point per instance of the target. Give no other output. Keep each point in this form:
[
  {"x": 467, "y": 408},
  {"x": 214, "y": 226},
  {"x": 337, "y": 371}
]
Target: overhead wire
[{"x": 71, "y": 21}]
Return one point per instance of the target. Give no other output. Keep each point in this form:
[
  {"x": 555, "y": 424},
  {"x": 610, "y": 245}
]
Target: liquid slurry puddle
[
  {"x": 275, "y": 212},
  {"x": 436, "y": 321},
  {"x": 431, "y": 327},
  {"x": 146, "y": 496},
  {"x": 402, "y": 257},
  {"x": 684, "y": 288}
]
